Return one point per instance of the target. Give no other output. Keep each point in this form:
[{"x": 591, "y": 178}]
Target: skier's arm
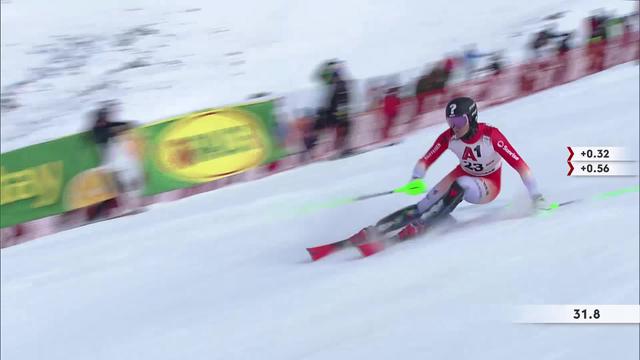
[
  {"x": 439, "y": 146},
  {"x": 511, "y": 156}
]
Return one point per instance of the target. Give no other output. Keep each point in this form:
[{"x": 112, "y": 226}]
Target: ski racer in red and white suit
[
  {"x": 480, "y": 165},
  {"x": 480, "y": 149}
]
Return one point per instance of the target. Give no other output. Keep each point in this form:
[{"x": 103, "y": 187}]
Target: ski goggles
[{"x": 457, "y": 122}]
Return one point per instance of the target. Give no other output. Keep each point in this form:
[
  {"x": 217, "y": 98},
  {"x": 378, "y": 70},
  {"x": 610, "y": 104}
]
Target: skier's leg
[
  {"x": 476, "y": 190},
  {"x": 442, "y": 199},
  {"x": 460, "y": 186},
  {"x": 440, "y": 190},
  {"x": 403, "y": 217},
  {"x": 398, "y": 219},
  {"x": 430, "y": 211}
]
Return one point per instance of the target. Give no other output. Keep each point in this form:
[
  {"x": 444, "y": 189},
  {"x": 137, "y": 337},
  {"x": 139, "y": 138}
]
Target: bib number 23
[{"x": 473, "y": 166}]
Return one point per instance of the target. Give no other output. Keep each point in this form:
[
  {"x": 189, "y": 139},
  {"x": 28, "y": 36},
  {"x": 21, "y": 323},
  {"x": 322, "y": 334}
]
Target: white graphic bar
[
  {"x": 600, "y": 153},
  {"x": 577, "y": 314},
  {"x": 598, "y": 168}
]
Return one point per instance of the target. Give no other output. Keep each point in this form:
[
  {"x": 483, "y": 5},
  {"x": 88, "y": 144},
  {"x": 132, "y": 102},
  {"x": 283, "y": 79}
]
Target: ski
[
  {"x": 375, "y": 246},
  {"x": 320, "y": 251},
  {"x": 368, "y": 246},
  {"x": 372, "y": 247}
]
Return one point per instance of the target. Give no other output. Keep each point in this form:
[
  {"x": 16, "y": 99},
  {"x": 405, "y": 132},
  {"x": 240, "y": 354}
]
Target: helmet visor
[{"x": 457, "y": 122}]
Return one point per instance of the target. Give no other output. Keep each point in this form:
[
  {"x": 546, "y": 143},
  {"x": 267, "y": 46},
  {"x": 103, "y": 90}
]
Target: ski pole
[
  {"x": 414, "y": 187},
  {"x": 365, "y": 197}
]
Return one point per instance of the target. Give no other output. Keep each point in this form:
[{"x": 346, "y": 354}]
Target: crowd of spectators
[
  {"x": 547, "y": 51},
  {"x": 330, "y": 122}
]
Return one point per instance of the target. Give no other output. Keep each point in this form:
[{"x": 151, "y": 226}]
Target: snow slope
[
  {"x": 162, "y": 58},
  {"x": 224, "y": 275}
]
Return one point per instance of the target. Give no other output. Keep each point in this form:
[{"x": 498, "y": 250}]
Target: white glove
[{"x": 419, "y": 171}]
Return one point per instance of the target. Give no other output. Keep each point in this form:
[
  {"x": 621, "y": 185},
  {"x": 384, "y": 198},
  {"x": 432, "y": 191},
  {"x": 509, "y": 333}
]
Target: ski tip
[
  {"x": 371, "y": 248},
  {"x": 319, "y": 252}
]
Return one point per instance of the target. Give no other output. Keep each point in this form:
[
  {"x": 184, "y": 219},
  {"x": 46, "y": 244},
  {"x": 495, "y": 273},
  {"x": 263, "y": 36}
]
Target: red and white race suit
[{"x": 480, "y": 165}]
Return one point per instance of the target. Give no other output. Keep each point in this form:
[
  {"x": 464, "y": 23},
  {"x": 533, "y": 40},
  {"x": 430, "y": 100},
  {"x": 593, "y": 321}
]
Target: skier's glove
[
  {"x": 418, "y": 171},
  {"x": 414, "y": 187}
]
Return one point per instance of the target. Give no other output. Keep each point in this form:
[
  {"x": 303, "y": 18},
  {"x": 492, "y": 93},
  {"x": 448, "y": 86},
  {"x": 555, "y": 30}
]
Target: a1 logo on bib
[{"x": 468, "y": 154}]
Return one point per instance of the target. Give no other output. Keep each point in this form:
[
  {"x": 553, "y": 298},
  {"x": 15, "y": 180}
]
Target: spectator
[
  {"x": 494, "y": 69},
  {"x": 448, "y": 67},
  {"x": 120, "y": 151},
  {"x": 562, "y": 57},
  {"x": 542, "y": 44},
  {"x": 470, "y": 60},
  {"x": 496, "y": 64},
  {"x": 430, "y": 88},
  {"x": 544, "y": 47},
  {"x": 539, "y": 42},
  {"x": 438, "y": 78},
  {"x": 390, "y": 110},
  {"x": 593, "y": 27},
  {"x": 527, "y": 78},
  {"x": 337, "y": 105},
  {"x": 308, "y": 127},
  {"x": 565, "y": 44},
  {"x": 597, "y": 51},
  {"x": 597, "y": 25},
  {"x": 104, "y": 129},
  {"x": 321, "y": 119},
  {"x": 423, "y": 86},
  {"x": 488, "y": 86}
]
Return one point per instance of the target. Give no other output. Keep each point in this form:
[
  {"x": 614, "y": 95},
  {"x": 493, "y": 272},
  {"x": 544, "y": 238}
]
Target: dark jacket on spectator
[
  {"x": 439, "y": 78},
  {"x": 423, "y": 85},
  {"x": 103, "y": 129},
  {"x": 563, "y": 46},
  {"x": 338, "y": 107},
  {"x": 496, "y": 65}
]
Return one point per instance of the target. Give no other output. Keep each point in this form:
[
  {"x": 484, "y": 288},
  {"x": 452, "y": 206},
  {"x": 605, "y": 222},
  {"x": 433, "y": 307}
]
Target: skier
[
  {"x": 470, "y": 58},
  {"x": 480, "y": 149}
]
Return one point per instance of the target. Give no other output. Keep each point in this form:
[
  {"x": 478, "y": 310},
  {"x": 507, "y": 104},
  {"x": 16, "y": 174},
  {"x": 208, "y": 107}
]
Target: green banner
[
  {"x": 61, "y": 175},
  {"x": 207, "y": 145},
  {"x": 47, "y": 179}
]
